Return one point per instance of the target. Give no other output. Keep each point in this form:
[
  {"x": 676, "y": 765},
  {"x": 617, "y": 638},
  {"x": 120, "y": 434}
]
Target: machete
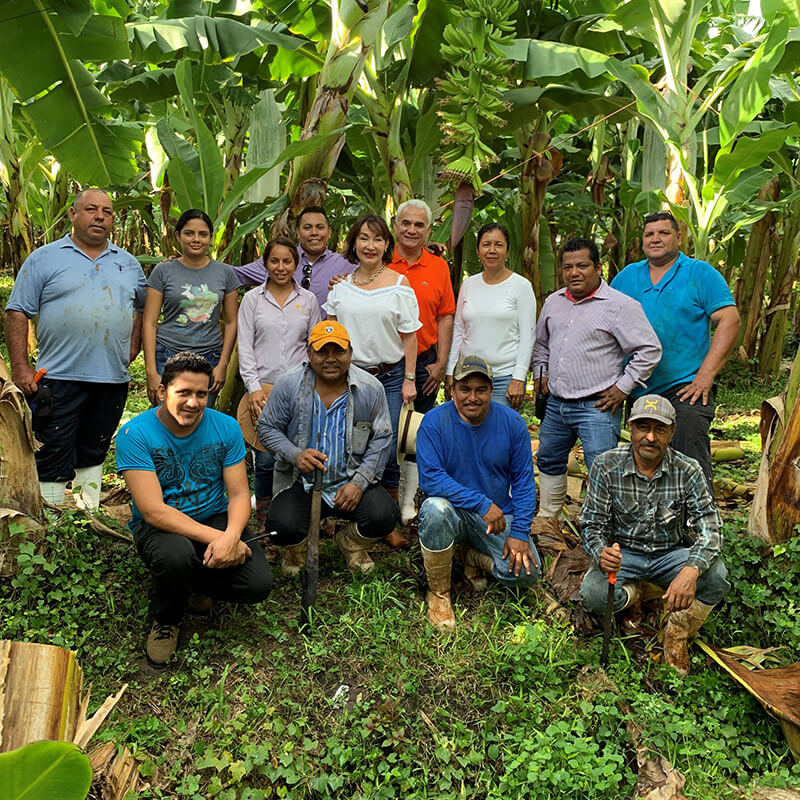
[
  {"x": 311, "y": 572},
  {"x": 608, "y": 620}
]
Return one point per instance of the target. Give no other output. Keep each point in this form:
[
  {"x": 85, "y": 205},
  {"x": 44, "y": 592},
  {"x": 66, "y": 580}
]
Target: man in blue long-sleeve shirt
[{"x": 475, "y": 466}]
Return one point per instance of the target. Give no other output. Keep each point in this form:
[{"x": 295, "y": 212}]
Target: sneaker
[
  {"x": 162, "y": 643},
  {"x": 199, "y": 604}
]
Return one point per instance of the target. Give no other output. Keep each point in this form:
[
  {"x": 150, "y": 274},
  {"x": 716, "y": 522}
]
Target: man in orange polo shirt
[{"x": 429, "y": 277}]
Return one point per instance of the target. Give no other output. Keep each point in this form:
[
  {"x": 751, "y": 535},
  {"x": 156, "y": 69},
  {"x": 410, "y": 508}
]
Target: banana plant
[
  {"x": 43, "y": 50},
  {"x": 677, "y": 113},
  {"x": 355, "y": 29}
]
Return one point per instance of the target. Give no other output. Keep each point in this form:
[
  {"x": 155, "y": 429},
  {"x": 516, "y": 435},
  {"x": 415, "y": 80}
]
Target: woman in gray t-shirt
[{"x": 193, "y": 291}]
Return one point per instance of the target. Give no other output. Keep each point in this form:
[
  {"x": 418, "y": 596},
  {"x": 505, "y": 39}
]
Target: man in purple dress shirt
[
  {"x": 595, "y": 345},
  {"x": 317, "y": 264}
]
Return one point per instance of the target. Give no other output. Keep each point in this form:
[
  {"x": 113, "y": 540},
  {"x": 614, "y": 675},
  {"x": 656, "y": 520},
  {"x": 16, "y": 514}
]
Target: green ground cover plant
[{"x": 373, "y": 704}]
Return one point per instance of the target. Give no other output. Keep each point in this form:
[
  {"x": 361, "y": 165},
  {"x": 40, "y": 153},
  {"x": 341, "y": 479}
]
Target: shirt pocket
[
  {"x": 669, "y": 519},
  {"x": 628, "y": 512}
]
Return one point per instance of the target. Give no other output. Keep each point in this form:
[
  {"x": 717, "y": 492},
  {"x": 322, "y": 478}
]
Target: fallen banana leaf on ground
[
  {"x": 768, "y": 793},
  {"x": 777, "y": 689},
  {"x": 656, "y": 778},
  {"x": 729, "y": 488},
  {"x": 116, "y": 773}
]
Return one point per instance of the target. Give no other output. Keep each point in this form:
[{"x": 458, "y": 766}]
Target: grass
[{"x": 373, "y": 704}]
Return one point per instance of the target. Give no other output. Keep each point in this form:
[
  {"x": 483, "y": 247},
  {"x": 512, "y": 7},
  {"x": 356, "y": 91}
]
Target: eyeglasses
[{"x": 306, "y": 282}]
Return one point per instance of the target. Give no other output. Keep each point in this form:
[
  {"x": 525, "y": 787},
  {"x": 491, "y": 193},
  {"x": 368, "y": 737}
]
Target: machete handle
[
  {"x": 40, "y": 373},
  {"x": 612, "y": 578}
]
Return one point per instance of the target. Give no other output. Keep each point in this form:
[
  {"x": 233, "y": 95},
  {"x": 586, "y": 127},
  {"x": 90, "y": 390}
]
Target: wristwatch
[{"x": 410, "y": 376}]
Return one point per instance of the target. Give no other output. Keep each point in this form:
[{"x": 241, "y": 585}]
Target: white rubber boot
[
  {"x": 409, "y": 480},
  {"x": 86, "y": 486},
  {"x": 552, "y": 494},
  {"x": 52, "y": 492}
]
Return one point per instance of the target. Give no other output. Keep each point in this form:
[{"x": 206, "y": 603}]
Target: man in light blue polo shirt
[
  {"x": 682, "y": 298},
  {"x": 89, "y": 295}
]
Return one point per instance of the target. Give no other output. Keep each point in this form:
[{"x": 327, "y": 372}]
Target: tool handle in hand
[
  {"x": 612, "y": 578},
  {"x": 40, "y": 373}
]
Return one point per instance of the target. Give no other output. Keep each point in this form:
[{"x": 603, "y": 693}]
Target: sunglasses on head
[{"x": 306, "y": 282}]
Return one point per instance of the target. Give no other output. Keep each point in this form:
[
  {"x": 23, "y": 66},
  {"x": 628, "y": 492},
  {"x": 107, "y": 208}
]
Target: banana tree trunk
[
  {"x": 783, "y": 498},
  {"x": 386, "y": 117},
  {"x": 399, "y": 177},
  {"x": 753, "y": 279},
  {"x": 18, "y": 231},
  {"x": 777, "y": 314},
  {"x": 236, "y": 122},
  {"x": 537, "y": 171},
  {"x": 356, "y": 25}
]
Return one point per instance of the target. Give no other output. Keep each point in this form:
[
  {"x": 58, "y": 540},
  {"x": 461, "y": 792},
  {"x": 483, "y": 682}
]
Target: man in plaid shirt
[{"x": 648, "y": 516}]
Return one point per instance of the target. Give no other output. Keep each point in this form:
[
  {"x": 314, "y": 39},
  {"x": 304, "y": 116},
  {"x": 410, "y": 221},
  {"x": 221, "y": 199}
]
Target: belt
[
  {"x": 586, "y": 399},
  {"x": 431, "y": 351},
  {"x": 380, "y": 369}
]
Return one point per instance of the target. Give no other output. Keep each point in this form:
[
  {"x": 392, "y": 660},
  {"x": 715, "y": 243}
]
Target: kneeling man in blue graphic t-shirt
[{"x": 184, "y": 466}]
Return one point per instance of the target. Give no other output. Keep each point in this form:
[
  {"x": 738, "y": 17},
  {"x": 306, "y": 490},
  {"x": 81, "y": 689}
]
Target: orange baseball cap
[{"x": 329, "y": 331}]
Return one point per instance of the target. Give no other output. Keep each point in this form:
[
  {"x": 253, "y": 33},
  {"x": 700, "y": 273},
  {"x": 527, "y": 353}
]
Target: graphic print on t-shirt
[
  {"x": 198, "y": 304},
  {"x": 190, "y": 491}
]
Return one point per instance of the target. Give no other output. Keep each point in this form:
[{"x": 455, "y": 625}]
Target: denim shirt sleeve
[
  {"x": 380, "y": 441},
  {"x": 275, "y": 419}
]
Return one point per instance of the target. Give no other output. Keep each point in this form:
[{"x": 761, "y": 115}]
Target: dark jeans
[
  {"x": 78, "y": 432},
  {"x": 263, "y": 474},
  {"x": 424, "y": 402},
  {"x": 212, "y": 356},
  {"x": 290, "y": 513},
  {"x": 691, "y": 429},
  {"x": 176, "y": 564}
]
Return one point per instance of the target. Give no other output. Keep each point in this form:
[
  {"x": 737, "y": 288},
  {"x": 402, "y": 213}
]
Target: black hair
[
  {"x": 492, "y": 226},
  {"x": 577, "y": 243},
  {"x": 185, "y": 361},
  {"x": 658, "y": 216},
  {"x": 378, "y": 226},
  {"x": 312, "y": 210},
  {"x": 283, "y": 242},
  {"x": 193, "y": 213}
]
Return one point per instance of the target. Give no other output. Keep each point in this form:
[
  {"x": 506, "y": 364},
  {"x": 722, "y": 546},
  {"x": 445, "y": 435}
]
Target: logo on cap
[
  {"x": 329, "y": 329},
  {"x": 651, "y": 405}
]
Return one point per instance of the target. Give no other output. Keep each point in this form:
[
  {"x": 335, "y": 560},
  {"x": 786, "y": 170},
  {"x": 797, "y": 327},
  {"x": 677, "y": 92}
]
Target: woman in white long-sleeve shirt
[{"x": 496, "y": 319}]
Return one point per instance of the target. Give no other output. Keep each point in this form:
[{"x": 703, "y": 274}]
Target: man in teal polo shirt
[{"x": 683, "y": 298}]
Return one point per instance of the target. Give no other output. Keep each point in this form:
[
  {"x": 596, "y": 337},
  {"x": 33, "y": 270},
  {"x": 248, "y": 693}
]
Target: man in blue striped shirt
[{"x": 329, "y": 415}]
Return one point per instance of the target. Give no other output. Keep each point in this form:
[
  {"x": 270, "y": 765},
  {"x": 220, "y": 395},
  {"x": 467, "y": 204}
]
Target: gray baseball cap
[
  {"x": 467, "y": 365},
  {"x": 653, "y": 406}
]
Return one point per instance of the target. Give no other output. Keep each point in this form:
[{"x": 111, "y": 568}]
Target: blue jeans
[
  {"x": 263, "y": 474},
  {"x": 660, "y": 568},
  {"x": 212, "y": 356},
  {"x": 499, "y": 385},
  {"x": 441, "y": 524},
  {"x": 393, "y": 386},
  {"x": 564, "y": 423}
]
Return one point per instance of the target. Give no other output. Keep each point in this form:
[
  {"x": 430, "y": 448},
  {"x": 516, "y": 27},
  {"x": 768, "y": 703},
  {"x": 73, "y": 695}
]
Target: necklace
[{"x": 371, "y": 277}]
